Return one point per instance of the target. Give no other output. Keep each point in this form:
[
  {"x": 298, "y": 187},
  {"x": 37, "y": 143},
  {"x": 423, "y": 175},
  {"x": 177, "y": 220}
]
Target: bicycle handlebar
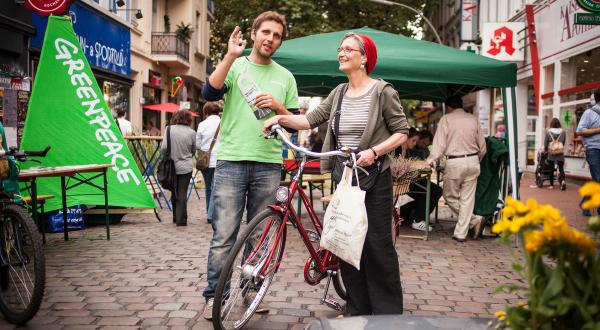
[
  {"x": 21, "y": 155},
  {"x": 344, "y": 152}
]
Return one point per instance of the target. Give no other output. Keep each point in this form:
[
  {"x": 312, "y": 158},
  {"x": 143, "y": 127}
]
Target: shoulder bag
[
  {"x": 203, "y": 157},
  {"x": 367, "y": 181},
  {"x": 166, "y": 168}
]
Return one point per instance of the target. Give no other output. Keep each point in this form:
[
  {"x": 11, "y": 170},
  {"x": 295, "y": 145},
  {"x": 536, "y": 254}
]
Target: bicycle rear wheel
[
  {"x": 22, "y": 266},
  {"x": 241, "y": 286}
]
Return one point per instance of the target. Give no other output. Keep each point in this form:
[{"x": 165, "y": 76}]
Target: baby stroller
[{"x": 544, "y": 170}]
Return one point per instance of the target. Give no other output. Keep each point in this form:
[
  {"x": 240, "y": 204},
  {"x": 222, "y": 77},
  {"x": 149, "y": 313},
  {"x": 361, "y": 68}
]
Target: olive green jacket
[{"x": 386, "y": 117}]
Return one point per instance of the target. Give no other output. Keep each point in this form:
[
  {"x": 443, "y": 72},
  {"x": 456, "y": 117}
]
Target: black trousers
[
  {"x": 561, "y": 168},
  {"x": 415, "y": 210},
  {"x": 179, "y": 198},
  {"x": 376, "y": 288}
]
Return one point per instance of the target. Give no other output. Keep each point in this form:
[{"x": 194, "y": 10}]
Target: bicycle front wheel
[
  {"x": 249, "y": 270},
  {"x": 22, "y": 266}
]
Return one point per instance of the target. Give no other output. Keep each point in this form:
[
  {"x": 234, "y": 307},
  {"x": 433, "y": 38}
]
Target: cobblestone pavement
[{"x": 151, "y": 275}]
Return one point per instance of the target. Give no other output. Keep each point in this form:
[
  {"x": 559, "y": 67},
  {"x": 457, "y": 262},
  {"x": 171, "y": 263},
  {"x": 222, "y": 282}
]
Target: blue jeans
[
  {"x": 236, "y": 186},
  {"x": 208, "y": 175},
  {"x": 593, "y": 159}
]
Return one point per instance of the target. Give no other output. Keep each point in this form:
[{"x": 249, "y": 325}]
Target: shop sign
[
  {"x": 558, "y": 31},
  {"x": 185, "y": 105},
  {"x": 587, "y": 19},
  {"x": 590, "y": 5},
  {"x": 48, "y": 7},
  {"x": 501, "y": 41},
  {"x": 154, "y": 78},
  {"x": 469, "y": 20},
  {"x": 107, "y": 47}
]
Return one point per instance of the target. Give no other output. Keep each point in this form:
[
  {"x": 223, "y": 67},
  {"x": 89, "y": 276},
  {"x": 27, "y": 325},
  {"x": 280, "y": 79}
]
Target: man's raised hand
[{"x": 236, "y": 45}]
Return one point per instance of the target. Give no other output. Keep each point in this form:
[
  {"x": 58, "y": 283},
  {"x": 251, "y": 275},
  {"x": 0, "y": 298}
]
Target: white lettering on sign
[
  {"x": 91, "y": 103},
  {"x": 103, "y": 54}
]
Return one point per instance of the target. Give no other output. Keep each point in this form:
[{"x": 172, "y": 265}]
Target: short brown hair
[
  {"x": 270, "y": 16},
  {"x": 182, "y": 117},
  {"x": 211, "y": 108},
  {"x": 555, "y": 123}
]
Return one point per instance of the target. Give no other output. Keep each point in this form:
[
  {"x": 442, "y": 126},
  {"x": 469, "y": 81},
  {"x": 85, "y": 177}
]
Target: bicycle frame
[{"x": 324, "y": 263}]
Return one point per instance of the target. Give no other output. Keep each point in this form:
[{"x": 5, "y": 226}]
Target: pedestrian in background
[
  {"x": 151, "y": 129},
  {"x": 460, "y": 139},
  {"x": 124, "y": 124},
  {"x": 371, "y": 121},
  {"x": 556, "y": 157},
  {"x": 183, "y": 145},
  {"x": 589, "y": 128},
  {"x": 205, "y": 134}
]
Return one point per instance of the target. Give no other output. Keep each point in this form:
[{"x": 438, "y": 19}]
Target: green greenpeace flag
[{"x": 67, "y": 111}]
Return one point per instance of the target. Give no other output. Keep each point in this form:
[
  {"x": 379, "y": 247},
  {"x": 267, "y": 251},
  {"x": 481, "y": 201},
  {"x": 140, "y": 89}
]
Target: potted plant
[
  {"x": 184, "y": 31},
  {"x": 560, "y": 267}
]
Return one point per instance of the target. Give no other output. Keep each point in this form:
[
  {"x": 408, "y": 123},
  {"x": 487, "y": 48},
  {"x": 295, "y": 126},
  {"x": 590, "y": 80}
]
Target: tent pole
[{"x": 510, "y": 115}]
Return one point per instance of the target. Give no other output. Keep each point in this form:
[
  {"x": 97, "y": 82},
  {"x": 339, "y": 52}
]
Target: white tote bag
[{"x": 345, "y": 221}]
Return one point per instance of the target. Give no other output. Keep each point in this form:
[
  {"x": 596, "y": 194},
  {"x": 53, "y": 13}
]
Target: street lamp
[{"x": 420, "y": 13}]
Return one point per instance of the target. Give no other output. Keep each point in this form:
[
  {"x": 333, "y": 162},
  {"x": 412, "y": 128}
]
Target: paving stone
[{"x": 116, "y": 321}]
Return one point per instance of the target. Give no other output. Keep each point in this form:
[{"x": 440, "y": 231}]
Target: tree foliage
[{"x": 306, "y": 17}]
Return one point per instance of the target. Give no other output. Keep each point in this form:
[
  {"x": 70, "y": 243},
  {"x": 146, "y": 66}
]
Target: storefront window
[
  {"x": 579, "y": 70},
  {"x": 569, "y": 125},
  {"x": 116, "y": 96},
  {"x": 497, "y": 111},
  {"x": 531, "y": 153},
  {"x": 531, "y": 109},
  {"x": 151, "y": 96}
]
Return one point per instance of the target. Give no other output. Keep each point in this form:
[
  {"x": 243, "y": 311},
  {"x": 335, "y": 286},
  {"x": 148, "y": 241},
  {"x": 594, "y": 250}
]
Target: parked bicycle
[
  {"x": 257, "y": 253},
  {"x": 22, "y": 262}
]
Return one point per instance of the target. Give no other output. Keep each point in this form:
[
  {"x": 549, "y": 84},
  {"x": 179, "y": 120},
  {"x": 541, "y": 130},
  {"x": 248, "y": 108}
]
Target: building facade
[
  {"x": 134, "y": 54},
  {"x": 15, "y": 83},
  {"x": 569, "y": 70}
]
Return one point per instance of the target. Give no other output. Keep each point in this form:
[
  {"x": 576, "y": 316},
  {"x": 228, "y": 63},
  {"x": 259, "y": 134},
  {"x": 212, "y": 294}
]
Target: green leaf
[{"x": 554, "y": 286}]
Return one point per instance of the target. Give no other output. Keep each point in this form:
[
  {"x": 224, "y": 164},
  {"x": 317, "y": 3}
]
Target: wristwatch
[{"x": 374, "y": 152}]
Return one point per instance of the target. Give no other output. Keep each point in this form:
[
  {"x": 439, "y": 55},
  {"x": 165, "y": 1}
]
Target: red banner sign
[{"x": 48, "y": 7}]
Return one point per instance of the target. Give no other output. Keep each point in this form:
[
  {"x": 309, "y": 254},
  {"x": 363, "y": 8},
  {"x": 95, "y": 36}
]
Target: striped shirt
[{"x": 353, "y": 118}]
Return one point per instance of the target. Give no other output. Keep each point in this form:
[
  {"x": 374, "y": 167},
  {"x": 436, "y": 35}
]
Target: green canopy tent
[{"x": 418, "y": 70}]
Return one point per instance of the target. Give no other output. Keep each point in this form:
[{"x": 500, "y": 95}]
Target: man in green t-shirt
[{"x": 248, "y": 169}]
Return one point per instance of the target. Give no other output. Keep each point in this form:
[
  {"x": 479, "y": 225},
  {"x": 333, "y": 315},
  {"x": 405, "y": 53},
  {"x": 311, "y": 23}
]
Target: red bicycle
[{"x": 257, "y": 253}]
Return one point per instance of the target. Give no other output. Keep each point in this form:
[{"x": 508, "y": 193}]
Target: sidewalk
[{"x": 151, "y": 275}]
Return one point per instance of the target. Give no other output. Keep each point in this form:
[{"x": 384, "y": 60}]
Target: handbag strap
[
  {"x": 214, "y": 139},
  {"x": 337, "y": 115},
  {"x": 596, "y": 111},
  {"x": 168, "y": 142}
]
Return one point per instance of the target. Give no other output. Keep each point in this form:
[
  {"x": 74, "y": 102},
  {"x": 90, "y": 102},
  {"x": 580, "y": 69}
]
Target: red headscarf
[{"x": 370, "y": 52}]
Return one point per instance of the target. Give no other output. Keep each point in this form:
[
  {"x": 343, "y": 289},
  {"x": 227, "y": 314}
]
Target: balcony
[{"x": 170, "y": 49}]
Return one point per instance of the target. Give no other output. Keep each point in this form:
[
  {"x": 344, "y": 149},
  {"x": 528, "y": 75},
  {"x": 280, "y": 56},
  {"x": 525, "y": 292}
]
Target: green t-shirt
[{"x": 241, "y": 133}]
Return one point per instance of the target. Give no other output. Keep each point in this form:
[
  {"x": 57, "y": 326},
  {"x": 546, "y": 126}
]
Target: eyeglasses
[{"x": 347, "y": 50}]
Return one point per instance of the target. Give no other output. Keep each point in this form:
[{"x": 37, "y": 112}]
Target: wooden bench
[{"x": 41, "y": 199}]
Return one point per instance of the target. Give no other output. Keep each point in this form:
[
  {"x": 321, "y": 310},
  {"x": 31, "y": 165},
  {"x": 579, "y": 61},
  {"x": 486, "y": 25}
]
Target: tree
[{"x": 306, "y": 17}]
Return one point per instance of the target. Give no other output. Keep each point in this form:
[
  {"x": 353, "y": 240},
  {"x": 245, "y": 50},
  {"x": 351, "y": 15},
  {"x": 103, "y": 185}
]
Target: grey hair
[{"x": 361, "y": 45}]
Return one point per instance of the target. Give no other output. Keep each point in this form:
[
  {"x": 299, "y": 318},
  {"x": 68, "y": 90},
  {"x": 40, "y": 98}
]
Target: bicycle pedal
[{"x": 333, "y": 304}]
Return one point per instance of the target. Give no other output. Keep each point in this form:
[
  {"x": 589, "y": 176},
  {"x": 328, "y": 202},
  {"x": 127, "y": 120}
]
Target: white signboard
[
  {"x": 184, "y": 105},
  {"x": 501, "y": 41},
  {"x": 469, "y": 20},
  {"x": 557, "y": 34}
]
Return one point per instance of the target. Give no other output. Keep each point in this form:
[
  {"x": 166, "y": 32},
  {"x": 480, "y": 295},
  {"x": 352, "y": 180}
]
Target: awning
[{"x": 166, "y": 107}]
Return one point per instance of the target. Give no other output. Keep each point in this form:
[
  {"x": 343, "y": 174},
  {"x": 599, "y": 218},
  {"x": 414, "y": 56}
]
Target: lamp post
[{"x": 418, "y": 12}]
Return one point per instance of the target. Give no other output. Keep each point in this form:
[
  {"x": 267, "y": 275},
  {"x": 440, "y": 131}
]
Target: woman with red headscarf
[{"x": 364, "y": 114}]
